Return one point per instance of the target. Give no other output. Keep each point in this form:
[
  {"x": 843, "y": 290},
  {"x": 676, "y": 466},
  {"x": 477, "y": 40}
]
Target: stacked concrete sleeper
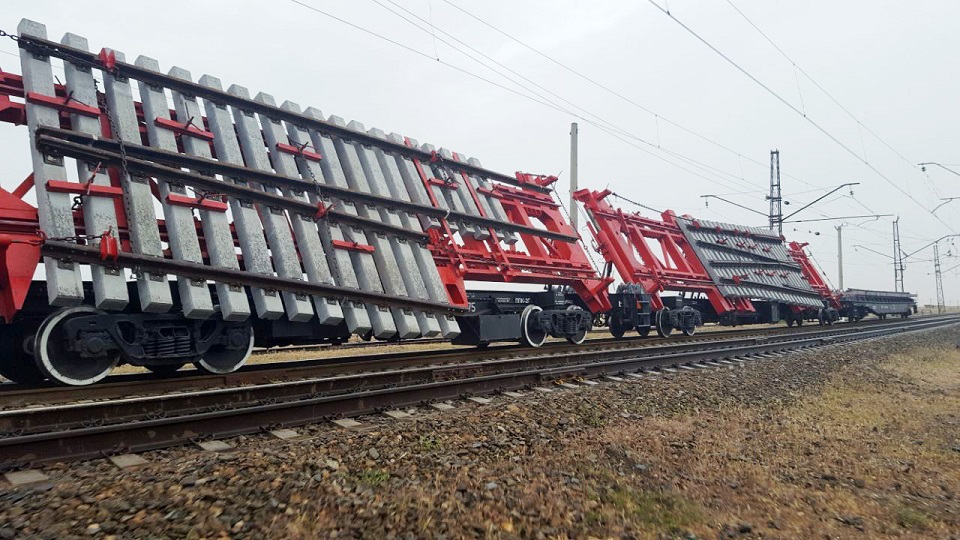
[{"x": 396, "y": 266}]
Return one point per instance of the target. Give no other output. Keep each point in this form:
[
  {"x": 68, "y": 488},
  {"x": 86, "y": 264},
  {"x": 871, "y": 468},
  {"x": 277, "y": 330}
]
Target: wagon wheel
[
  {"x": 617, "y": 328},
  {"x": 530, "y": 333},
  {"x": 63, "y": 366},
  {"x": 223, "y": 358},
  {"x": 664, "y": 329},
  {"x": 581, "y": 335}
]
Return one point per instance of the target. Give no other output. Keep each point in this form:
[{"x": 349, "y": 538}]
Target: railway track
[
  {"x": 93, "y": 429},
  {"x": 121, "y": 386}
]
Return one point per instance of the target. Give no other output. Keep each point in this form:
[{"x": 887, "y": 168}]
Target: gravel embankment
[{"x": 692, "y": 455}]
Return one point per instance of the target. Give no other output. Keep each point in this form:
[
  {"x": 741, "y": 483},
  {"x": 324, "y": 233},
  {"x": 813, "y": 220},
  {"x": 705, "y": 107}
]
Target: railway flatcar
[
  {"x": 858, "y": 303},
  {"x": 723, "y": 273},
  {"x": 191, "y": 234}
]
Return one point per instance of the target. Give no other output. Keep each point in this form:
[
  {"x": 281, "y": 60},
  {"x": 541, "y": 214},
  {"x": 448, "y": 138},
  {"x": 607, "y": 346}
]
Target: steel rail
[
  {"x": 118, "y": 386},
  {"x": 71, "y": 416},
  {"x": 80, "y": 57},
  {"x": 147, "y": 433},
  {"x": 161, "y": 265},
  {"x": 155, "y": 162}
]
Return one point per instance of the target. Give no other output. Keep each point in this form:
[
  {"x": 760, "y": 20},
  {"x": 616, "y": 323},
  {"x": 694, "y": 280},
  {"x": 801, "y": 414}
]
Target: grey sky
[{"x": 892, "y": 64}]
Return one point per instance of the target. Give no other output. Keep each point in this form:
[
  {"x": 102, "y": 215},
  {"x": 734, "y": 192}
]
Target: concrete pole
[
  {"x": 840, "y": 254},
  {"x": 573, "y": 175}
]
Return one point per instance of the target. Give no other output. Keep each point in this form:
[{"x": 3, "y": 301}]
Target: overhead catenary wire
[
  {"x": 423, "y": 54},
  {"x": 540, "y": 101},
  {"x": 861, "y": 127},
  {"x": 657, "y": 117},
  {"x": 836, "y": 102},
  {"x": 428, "y": 27},
  {"x": 792, "y": 107}
]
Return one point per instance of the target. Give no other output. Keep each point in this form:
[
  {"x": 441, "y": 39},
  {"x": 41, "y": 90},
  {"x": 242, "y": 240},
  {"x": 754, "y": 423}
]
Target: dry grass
[{"x": 876, "y": 452}]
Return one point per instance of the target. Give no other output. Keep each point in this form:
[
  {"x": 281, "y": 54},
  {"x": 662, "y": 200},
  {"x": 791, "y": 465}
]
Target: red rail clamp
[
  {"x": 352, "y": 246},
  {"x": 109, "y": 246},
  {"x": 299, "y": 151},
  {"x": 85, "y": 188},
  {"x": 184, "y": 129},
  {"x": 201, "y": 203},
  {"x": 67, "y": 104}
]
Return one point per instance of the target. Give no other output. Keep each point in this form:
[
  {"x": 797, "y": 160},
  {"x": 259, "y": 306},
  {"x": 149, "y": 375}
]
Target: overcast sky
[{"x": 891, "y": 64}]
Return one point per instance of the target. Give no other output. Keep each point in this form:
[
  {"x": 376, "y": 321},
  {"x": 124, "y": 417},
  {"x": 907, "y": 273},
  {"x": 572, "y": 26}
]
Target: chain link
[
  {"x": 11, "y": 36},
  {"x": 114, "y": 131},
  {"x": 299, "y": 156},
  {"x": 580, "y": 239}
]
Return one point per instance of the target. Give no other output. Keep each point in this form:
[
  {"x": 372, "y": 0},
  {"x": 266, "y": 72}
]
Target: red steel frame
[
  {"x": 799, "y": 254},
  {"x": 622, "y": 240},
  {"x": 462, "y": 258},
  {"x": 459, "y": 259}
]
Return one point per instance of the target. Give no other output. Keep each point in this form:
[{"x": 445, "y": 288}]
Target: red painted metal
[
  {"x": 84, "y": 188},
  {"x": 109, "y": 247},
  {"x": 108, "y": 58},
  {"x": 352, "y": 246},
  {"x": 201, "y": 203},
  {"x": 66, "y": 104},
  {"x": 184, "y": 128},
  {"x": 798, "y": 253},
  {"x": 626, "y": 240},
  {"x": 299, "y": 151},
  {"x": 24, "y": 187},
  {"x": 533, "y": 260},
  {"x": 462, "y": 258},
  {"x": 19, "y": 252}
]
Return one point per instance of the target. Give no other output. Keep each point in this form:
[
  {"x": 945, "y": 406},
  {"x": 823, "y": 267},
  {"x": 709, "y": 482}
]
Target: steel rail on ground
[
  {"x": 133, "y": 384},
  {"x": 38, "y": 434}
]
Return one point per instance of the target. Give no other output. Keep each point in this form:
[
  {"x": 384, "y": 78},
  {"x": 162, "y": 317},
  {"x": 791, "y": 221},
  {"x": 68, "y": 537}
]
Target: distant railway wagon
[
  {"x": 858, "y": 303},
  {"x": 181, "y": 222}
]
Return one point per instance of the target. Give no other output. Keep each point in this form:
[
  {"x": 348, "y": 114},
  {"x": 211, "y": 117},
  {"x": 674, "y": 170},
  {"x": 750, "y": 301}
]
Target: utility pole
[
  {"x": 775, "y": 197},
  {"x": 897, "y": 258},
  {"x": 573, "y": 175},
  {"x": 941, "y": 302},
  {"x": 840, "y": 254}
]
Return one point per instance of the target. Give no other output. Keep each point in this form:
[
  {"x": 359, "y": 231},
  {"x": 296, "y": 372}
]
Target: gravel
[{"x": 542, "y": 466}]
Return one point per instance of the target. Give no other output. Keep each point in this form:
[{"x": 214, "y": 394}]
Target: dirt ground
[{"x": 860, "y": 441}]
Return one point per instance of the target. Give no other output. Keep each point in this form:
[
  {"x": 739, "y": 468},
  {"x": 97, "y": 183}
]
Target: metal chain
[
  {"x": 114, "y": 131},
  {"x": 580, "y": 239},
  {"x": 306, "y": 162},
  {"x": 9, "y": 35}
]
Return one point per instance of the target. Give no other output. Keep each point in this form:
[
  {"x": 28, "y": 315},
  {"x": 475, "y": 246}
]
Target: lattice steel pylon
[
  {"x": 897, "y": 258},
  {"x": 941, "y": 302},
  {"x": 775, "y": 197}
]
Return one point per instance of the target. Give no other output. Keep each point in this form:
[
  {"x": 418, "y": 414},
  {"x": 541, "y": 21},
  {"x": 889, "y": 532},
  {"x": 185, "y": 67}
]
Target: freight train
[{"x": 191, "y": 234}]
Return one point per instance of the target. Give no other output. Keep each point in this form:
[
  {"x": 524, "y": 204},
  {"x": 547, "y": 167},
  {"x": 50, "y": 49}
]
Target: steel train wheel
[
  {"x": 17, "y": 364},
  {"x": 529, "y": 333},
  {"x": 62, "y": 365},
  {"x": 689, "y": 331},
  {"x": 219, "y": 360},
  {"x": 580, "y": 336},
  {"x": 663, "y": 323},
  {"x": 644, "y": 331},
  {"x": 617, "y": 328}
]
